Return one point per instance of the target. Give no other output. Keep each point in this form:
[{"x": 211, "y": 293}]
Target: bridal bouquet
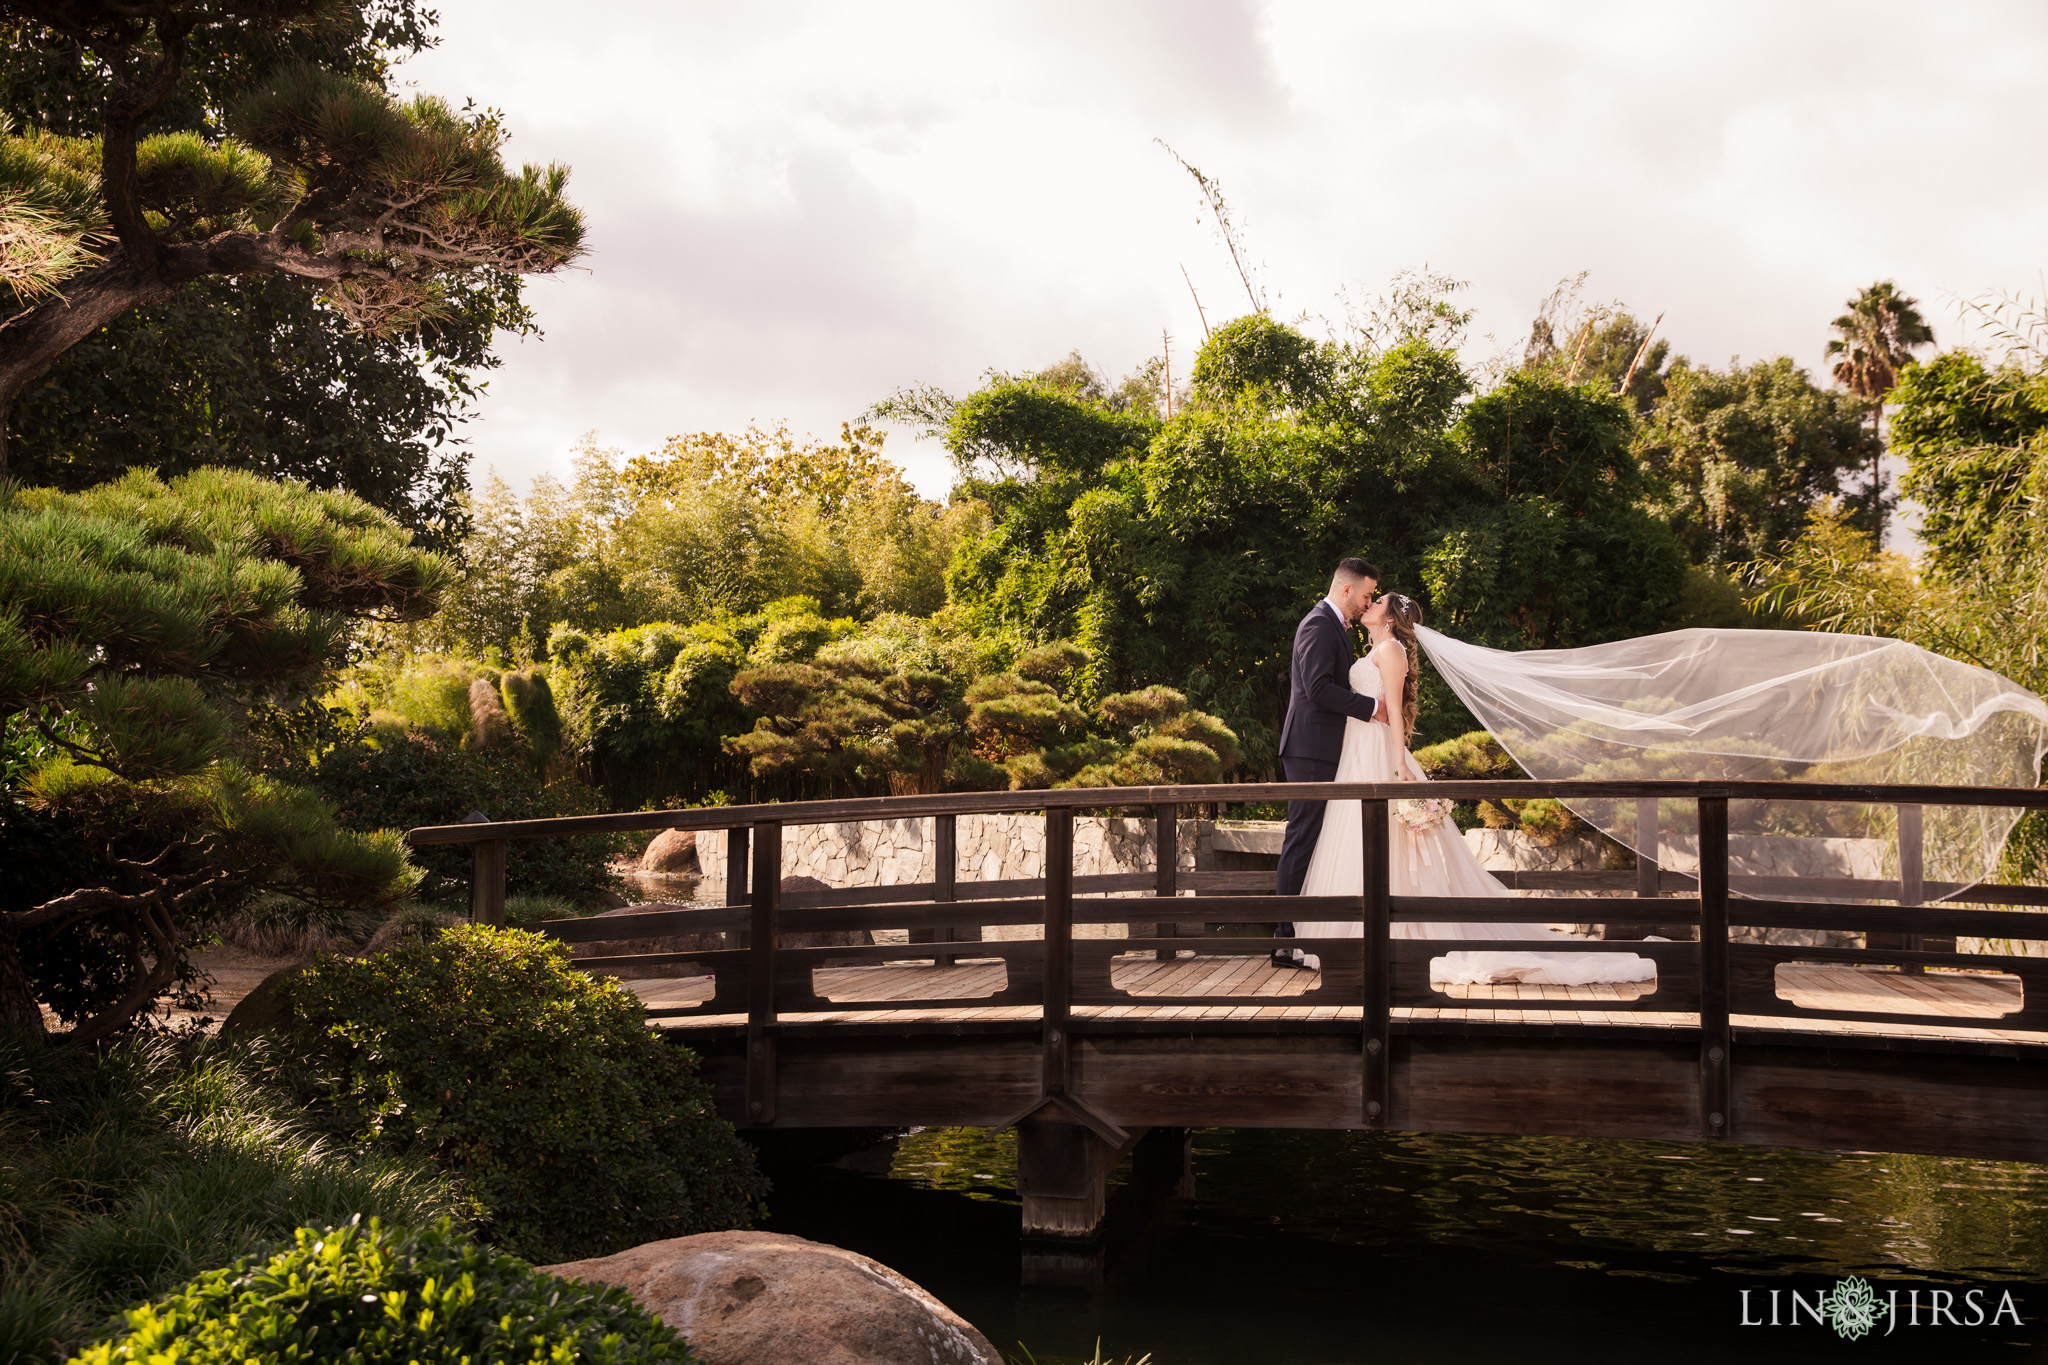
[{"x": 1428, "y": 813}]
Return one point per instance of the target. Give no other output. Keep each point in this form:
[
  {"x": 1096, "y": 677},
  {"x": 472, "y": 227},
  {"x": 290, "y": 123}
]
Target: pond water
[{"x": 1300, "y": 1247}]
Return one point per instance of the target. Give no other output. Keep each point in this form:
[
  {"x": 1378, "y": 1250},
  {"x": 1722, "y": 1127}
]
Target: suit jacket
[{"x": 1320, "y": 698}]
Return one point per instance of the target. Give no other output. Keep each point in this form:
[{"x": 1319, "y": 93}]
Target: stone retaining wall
[{"x": 987, "y": 848}]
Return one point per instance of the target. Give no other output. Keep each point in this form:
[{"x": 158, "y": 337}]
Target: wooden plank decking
[{"x": 1920, "y": 1000}]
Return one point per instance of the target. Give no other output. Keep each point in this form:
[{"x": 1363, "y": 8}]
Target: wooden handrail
[
  {"x": 1377, "y": 973},
  {"x": 997, "y": 803}
]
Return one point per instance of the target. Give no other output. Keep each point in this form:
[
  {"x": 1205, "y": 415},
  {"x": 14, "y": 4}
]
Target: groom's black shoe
[{"x": 1285, "y": 957}]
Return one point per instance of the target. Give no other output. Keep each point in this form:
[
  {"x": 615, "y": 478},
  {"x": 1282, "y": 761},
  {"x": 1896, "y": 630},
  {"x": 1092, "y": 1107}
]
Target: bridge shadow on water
[{"x": 1292, "y": 1247}]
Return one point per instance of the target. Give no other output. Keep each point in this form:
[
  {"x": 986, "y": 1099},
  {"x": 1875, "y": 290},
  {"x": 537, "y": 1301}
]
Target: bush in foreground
[
  {"x": 367, "y": 1294},
  {"x": 579, "y": 1130},
  {"x": 126, "y": 1172}
]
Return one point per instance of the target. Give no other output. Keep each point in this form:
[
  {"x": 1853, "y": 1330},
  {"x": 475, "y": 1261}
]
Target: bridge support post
[
  {"x": 945, "y": 887},
  {"x": 1375, "y": 1094},
  {"x": 736, "y": 866},
  {"x": 1166, "y": 865},
  {"x": 487, "y": 882},
  {"x": 1063, "y": 1176},
  {"x": 761, "y": 944},
  {"x": 1912, "y": 890},
  {"x": 1716, "y": 1118},
  {"x": 1059, "y": 949}
]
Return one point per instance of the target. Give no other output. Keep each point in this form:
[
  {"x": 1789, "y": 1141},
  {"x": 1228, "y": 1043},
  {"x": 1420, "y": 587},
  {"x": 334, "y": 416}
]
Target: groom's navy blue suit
[{"x": 1319, "y": 701}]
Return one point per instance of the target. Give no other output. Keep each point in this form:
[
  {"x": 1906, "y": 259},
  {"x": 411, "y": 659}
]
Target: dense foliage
[
  {"x": 369, "y": 1295},
  {"x": 710, "y": 525},
  {"x": 648, "y": 709},
  {"x": 1745, "y": 455},
  {"x": 864, "y": 724},
  {"x": 128, "y": 1170},
  {"x": 401, "y": 779},
  {"x": 579, "y": 1130},
  {"x": 139, "y": 620},
  {"x": 427, "y": 740},
  {"x": 254, "y": 373},
  {"x": 1975, "y": 437},
  {"x": 222, "y": 152},
  {"x": 1181, "y": 552}
]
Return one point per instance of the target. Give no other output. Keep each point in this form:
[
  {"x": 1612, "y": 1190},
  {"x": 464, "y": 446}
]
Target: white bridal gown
[{"x": 1433, "y": 862}]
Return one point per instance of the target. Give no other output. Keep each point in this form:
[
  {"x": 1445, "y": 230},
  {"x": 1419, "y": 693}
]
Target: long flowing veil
[{"x": 1765, "y": 705}]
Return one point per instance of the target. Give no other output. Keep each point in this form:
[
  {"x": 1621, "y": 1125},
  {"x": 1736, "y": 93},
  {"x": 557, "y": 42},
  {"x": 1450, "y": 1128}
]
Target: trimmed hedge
[
  {"x": 577, "y": 1127},
  {"x": 367, "y": 1295}
]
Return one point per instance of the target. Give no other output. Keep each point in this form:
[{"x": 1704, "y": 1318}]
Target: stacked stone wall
[{"x": 987, "y": 848}]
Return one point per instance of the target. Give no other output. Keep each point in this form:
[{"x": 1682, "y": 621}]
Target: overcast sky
[{"x": 796, "y": 209}]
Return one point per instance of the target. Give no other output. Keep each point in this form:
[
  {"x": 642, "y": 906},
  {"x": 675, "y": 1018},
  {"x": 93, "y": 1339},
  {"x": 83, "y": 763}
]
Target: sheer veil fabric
[
  {"x": 1766, "y": 705},
  {"x": 1432, "y": 862}
]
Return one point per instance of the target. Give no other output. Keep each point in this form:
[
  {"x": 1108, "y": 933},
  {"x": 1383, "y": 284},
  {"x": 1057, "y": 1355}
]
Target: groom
[{"x": 1319, "y": 701}]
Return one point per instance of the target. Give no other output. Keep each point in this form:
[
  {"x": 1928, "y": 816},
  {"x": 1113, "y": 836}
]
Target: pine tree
[
  {"x": 384, "y": 206},
  {"x": 139, "y": 620}
]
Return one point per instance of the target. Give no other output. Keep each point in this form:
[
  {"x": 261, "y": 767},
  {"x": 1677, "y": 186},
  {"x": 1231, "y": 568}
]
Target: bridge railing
[{"x": 1028, "y": 927}]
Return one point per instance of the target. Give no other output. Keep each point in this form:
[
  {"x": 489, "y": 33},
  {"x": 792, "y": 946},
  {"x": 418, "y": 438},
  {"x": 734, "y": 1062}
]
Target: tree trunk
[
  {"x": 32, "y": 341},
  {"x": 1877, "y": 475},
  {"x": 19, "y": 1011}
]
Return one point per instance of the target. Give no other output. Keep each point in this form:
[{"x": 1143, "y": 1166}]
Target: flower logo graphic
[{"x": 1851, "y": 1307}]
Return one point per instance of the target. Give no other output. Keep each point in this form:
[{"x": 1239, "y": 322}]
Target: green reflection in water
[{"x": 1661, "y": 1210}]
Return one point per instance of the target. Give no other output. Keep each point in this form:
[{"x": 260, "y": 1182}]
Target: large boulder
[
  {"x": 672, "y": 850},
  {"x": 263, "y": 1008},
  {"x": 764, "y": 1298}
]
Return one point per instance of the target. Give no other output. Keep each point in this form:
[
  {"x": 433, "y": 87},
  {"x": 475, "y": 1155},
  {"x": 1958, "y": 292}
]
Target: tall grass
[{"x": 126, "y": 1173}]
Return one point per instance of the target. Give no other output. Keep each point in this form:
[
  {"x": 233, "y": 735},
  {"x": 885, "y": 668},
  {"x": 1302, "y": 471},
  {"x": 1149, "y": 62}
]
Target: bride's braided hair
[{"x": 1403, "y": 616}]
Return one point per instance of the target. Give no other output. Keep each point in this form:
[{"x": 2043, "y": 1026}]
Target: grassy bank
[{"x": 125, "y": 1174}]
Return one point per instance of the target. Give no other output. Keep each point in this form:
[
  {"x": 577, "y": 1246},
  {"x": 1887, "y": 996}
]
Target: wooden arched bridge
[{"x": 1003, "y": 1002}]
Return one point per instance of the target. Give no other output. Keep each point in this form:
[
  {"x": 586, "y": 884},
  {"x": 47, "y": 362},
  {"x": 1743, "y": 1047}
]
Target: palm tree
[{"x": 1874, "y": 340}]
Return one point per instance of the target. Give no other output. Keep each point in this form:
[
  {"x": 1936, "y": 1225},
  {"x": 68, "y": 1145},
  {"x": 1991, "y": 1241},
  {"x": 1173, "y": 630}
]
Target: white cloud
[{"x": 795, "y": 209}]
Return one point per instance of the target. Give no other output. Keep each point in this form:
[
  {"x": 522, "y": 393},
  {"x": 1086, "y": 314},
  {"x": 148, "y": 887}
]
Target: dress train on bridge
[{"x": 1433, "y": 862}]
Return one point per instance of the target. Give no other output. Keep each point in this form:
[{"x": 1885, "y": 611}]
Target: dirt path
[{"x": 235, "y": 973}]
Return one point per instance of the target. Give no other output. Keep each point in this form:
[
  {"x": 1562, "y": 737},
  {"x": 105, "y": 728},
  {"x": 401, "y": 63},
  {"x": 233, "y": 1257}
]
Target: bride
[{"x": 1432, "y": 861}]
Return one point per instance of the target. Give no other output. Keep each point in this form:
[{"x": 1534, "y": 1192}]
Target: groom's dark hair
[{"x": 1353, "y": 567}]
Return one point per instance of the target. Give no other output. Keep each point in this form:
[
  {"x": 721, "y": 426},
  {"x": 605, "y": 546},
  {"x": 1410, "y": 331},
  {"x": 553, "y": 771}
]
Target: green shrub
[
  {"x": 404, "y": 779},
  {"x": 1474, "y": 757},
  {"x": 125, "y": 1172},
  {"x": 367, "y": 1294},
  {"x": 579, "y": 1129}
]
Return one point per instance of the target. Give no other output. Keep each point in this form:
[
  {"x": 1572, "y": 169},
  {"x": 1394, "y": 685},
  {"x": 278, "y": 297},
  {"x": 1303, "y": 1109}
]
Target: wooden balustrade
[{"x": 1057, "y": 972}]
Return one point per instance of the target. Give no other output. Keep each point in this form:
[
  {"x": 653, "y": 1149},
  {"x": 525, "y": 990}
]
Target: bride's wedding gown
[{"x": 1433, "y": 862}]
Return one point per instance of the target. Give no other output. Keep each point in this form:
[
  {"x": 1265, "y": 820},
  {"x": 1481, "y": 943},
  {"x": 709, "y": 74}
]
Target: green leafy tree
[
  {"x": 858, "y": 726},
  {"x": 712, "y": 524},
  {"x": 137, "y": 622},
  {"x": 1975, "y": 436},
  {"x": 853, "y": 725},
  {"x": 646, "y": 711},
  {"x": 1181, "y": 553},
  {"x": 1564, "y": 554},
  {"x": 1975, "y": 440},
  {"x": 323, "y": 177},
  {"x": 257, "y": 373},
  {"x": 1742, "y": 456},
  {"x": 1874, "y": 341},
  {"x": 254, "y": 372}
]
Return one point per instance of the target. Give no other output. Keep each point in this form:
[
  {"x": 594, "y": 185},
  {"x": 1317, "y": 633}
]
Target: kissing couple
[{"x": 1349, "y": 719}]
